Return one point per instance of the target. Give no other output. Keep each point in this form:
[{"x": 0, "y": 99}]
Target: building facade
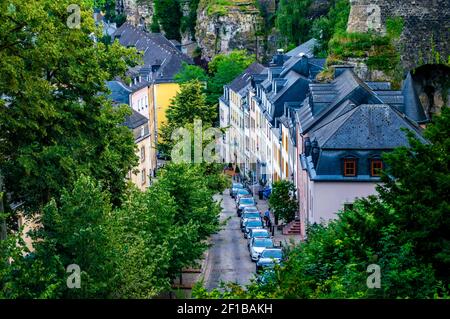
[{"x": 326, "y": 137}]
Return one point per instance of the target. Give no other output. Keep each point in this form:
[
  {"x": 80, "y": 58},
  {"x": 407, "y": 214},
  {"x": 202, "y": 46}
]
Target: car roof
[
  {"x": 273, "y": 248},
  {"x": 252, "y": 212},
  {"x": 261, "y": 229},
  {"x": 257, "y": 237}
]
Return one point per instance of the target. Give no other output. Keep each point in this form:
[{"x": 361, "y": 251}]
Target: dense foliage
[
  {"x": 168, "y": 14},
  {"x": 53, "y": 122},
  {"x": 282, "y": 200},
  {"x": 65, "y": 155},
  {"x": 292, "y": 20},
  {"x": 403, "y": 230}
]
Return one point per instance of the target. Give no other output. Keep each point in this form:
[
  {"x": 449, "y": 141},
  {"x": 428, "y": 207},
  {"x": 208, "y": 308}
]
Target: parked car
[
  {"x": 257, "y": 232},
  {"x": 268, "y": 258},
  {"x": 257, "y": 245},
  {"x": 242, "y": 193},
  {"x": 234, "y": 188},
  {"x": 248, "y": 215},
  {"x": 250, "y": 224},
  {"x": 244, "y": 224},
  {"x": 244, "y": 202},
  {"x": 250, "y": 209}
]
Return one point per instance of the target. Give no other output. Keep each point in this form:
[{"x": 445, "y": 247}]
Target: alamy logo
[
  {"x": 74, "y": 19},
  {"x": 374, "y": 279},
  {"x": 74, "y": 279}
]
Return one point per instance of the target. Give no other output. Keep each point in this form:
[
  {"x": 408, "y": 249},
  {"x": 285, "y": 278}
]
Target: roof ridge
[{"x": 348, "y": 116}]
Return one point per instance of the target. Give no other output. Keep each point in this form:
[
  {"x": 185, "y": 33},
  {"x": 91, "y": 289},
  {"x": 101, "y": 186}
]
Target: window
[
  {"x": 143, "y": 176},
  {"x": 349, "y": 167},
  {"x": 142, "y": 153},
  {"x": 376, "y": 166},
  {"x": 142, "y": 131}
]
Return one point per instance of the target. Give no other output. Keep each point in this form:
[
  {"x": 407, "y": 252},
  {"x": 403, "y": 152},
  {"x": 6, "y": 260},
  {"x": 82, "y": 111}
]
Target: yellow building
[
  {"x": 160, "y": 96},
  {"x": 162, "y": 60}
]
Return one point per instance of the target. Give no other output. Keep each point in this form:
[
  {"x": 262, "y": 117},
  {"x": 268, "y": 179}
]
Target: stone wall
[
  {"x": 223, "y": 33},
  {"x": 141, "y": 13},
  {"x": 426, "y": 23}
]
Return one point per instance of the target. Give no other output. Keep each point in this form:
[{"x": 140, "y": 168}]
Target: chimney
[
  {"x": 315, "y": 152},
  {"x": 279, "y": 57},
  {"x": 307, "y": 146},
  {"x": 339, "y": 69}
]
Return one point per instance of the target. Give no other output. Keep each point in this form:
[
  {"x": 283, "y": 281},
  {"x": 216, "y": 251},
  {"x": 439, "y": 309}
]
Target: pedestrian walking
[{"x": 267, "y": 217}]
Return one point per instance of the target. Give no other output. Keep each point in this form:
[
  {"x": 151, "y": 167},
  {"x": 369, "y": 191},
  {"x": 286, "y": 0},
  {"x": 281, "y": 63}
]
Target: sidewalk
[{"x": 278, "y": 237}]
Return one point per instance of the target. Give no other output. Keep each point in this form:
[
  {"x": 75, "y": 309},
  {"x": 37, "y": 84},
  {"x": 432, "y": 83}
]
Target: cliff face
[
  {"x": 424, "y": 38},
  {"x": 137, "y": 12},
  {"x": 220, "y": 29}
]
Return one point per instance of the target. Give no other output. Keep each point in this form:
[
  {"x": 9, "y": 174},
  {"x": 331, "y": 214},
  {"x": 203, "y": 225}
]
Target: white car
[
  {"x": 257, "y": 246},
  {"x": 257, "y": 232}
]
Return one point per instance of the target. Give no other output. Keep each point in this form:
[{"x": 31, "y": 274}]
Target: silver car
[{"x": 257, "y": 246}]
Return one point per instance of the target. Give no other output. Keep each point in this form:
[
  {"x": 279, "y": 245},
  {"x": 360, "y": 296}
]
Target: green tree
[
  {"x": 292, "y": 20},
  {"x": 54, "y": 121},
  {"x": 190, "y": 72},
  {"x": 223, "y": 69},
  {"x": 335, "y": 21},
  {"x": 283, "y": 201},
  {"x": 168, "y": 14},
  {"x": 188, "y": 104}
]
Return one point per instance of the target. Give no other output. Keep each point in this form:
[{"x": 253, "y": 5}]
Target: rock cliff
[
  {"x": 424, "y": 38},
  {"x": 226, "y": 25}
]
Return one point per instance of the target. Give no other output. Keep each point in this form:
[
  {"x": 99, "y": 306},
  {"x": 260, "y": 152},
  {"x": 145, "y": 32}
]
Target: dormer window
[
  {"x": 376, "y": 166},
  {"x": 349, "y": 167}
]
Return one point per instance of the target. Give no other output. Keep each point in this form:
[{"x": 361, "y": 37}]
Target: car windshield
[
  {"x": 250, "y": 209},
  {"x": 262, "y": 242},
  {"x": 238, "y": 185},
  {"x": 247, "y": 201},
  {"x": 260, "y": 233},
  {"x": 243, "y": 192},
  {"x": 251, "y": 215},
  {"x": 272, "y": 253},
  {"x": 254, "y": 223}
]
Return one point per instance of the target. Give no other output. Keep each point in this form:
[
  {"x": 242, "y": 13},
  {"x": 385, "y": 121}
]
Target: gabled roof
[
  {"x": 119, "y": 92},
  {"x": 306, "y": 48},
  {"x": 240, "y": 82},
  {"x": 135, "y": 120},
  {"x": 367, "y": 126},
  {"x": 324, "y": 98},
  {"x": 156, "y": 49}
]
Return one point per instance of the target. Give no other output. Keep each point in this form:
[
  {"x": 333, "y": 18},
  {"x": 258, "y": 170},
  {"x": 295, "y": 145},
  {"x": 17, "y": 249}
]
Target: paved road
[{"x": 228, "y": 257}]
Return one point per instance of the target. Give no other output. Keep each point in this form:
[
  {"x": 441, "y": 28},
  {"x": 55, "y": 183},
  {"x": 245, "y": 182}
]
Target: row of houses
[
  {"x": 325, "y": 137},
  {"x": 148, "y": 93}
]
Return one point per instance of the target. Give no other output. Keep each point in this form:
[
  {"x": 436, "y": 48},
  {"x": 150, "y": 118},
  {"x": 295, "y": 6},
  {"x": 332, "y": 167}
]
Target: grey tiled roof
[
  {"x": 307, "y": 48},
  {"x": 119, "y": 92},
  {"x": 367, "y": 126},
  {"x": 244, "y": 78},
  {"x": 135, "y": 120},
  {"x": 156, "y": 50},
  {"x": 412, "y": 106}
]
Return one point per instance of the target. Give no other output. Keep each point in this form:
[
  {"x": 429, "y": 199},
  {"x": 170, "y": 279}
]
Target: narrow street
[{"x": 228, "y": 257}]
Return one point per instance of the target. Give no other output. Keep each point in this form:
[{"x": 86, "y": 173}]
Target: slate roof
[
  {"x": 119, "y": 92},
  {"x": 239, "y": 84},
  {"x": 307, "y": 48},
  {"x": 412, "y": 106},
  {"x": 135, "y": 120},
  {"x": 325, "y": 98},
  {"x": 157, "y": 50},
  {"x": 367, "y": 126}
]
